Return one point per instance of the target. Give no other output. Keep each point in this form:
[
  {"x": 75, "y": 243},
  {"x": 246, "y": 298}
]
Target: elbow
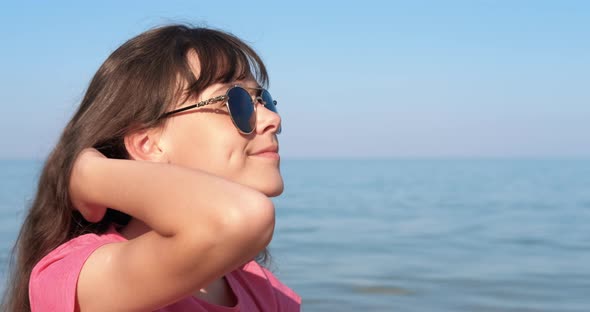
[
  {"x": 252, "y": 222},
  {"x": 235, "y": 233}
]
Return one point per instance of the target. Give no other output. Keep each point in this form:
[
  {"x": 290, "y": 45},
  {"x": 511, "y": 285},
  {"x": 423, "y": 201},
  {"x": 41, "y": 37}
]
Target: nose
[{"x": 266, "y": 119}]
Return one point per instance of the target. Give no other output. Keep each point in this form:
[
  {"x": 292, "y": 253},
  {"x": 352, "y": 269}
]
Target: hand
[{"x": 79, "y": 189}]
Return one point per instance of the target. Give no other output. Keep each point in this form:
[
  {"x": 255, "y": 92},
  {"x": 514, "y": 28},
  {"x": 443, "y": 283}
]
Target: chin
[
  {"x": 275, "y": 191},
  {"x": 268, "y": 182},
  {"x": 270, "y": 188}
]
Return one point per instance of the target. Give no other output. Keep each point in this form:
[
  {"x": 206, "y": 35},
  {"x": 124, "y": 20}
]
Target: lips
[
  {"x": 270, "y": 152},
  {"x": 269, "y": 149}
]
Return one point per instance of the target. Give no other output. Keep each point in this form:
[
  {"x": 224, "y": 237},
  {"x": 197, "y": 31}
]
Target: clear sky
[{"x": 353, "y": 78}]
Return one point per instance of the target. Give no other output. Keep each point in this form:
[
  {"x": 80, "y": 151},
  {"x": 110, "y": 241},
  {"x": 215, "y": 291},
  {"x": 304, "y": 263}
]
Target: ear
[{"x": 144, "y": 145}]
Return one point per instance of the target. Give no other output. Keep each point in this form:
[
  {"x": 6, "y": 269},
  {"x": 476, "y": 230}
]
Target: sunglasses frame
[{"x": 213, "y": 100}]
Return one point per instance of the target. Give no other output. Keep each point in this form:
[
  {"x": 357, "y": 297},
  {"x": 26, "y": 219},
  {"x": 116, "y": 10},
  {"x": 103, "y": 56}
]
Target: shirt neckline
[{"x": 232, "y": 286}]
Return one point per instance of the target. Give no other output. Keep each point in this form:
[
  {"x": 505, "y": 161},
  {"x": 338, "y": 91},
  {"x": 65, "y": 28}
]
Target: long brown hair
[{"x": 137, "y": 83}]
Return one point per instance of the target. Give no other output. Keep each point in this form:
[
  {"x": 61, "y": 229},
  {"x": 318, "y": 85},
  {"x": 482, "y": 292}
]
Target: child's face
[{"x": 205, "y": 138}]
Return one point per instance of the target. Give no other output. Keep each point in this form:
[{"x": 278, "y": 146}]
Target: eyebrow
[{"x": 228, "y": 86}]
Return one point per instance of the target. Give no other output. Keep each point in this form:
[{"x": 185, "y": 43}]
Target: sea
[{"x": 423, "y": 234}]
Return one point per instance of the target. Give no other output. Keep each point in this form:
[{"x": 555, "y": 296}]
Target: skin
[{"x": 199, "y": 198}]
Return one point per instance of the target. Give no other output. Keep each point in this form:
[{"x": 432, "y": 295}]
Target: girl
[{"x": 156, "y": 197}]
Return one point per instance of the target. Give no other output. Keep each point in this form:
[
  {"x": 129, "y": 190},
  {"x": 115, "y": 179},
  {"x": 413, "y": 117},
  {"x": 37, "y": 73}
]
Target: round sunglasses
[{"x": 240, "y": 104}]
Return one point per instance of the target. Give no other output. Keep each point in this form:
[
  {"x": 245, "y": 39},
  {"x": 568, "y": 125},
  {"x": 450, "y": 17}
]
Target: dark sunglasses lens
[
  {"x": 241, "y": 109},
  {"x": 269, "y": 103}
]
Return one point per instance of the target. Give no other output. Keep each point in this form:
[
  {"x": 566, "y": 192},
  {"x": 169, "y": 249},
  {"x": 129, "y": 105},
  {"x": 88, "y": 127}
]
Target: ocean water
[{"x": 414, "y": 234}]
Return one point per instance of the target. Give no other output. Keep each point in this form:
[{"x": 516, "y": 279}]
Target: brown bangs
[{"x": 223, "y": 58}]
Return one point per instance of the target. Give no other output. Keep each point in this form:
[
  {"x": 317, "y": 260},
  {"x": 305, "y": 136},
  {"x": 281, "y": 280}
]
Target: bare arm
[{"x": 203, "y": 227}]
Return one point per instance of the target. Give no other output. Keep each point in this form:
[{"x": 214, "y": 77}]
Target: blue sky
[{"x": 365, "y": 79}]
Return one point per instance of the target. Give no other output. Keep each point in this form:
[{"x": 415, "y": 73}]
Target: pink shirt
[{"x": 52, "y": 286}]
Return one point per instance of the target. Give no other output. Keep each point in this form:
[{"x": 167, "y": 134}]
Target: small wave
[{"x": 383, "y": 290}]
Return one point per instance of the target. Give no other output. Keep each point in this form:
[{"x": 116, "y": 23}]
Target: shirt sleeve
[{"x": 53, "y": 281}]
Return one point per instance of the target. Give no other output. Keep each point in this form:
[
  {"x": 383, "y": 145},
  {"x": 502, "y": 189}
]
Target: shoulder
[
  {"x": 52, "y": 284},
  {"x": 259, "y": 277}
]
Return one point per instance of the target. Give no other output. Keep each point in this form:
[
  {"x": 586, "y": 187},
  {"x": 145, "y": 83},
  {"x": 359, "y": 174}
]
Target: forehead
[
  {"x": 195, "y": 67},
  {"x": 220, "y": 88},
  {"x": 193, "y": 62}
]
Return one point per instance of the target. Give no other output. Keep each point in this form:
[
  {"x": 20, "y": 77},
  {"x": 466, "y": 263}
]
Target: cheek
[{"x": 210, "y": 147}]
